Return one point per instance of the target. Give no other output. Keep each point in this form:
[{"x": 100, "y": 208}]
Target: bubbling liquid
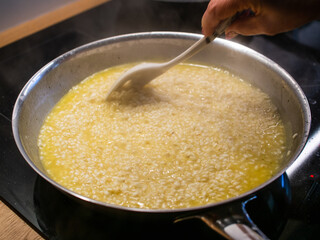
[{"x": 193, "y": 136}]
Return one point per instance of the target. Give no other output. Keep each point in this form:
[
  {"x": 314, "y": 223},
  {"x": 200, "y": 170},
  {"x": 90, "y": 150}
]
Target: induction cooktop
[{"x": 56, "y": 216}]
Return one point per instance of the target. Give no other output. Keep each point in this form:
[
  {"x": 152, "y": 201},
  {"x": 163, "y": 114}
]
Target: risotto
[{"x": 193, "y": 136}]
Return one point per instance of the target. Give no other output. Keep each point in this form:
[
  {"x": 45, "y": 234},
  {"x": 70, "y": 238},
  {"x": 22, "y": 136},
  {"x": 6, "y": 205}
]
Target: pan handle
[
  {"x": 232, "y": 221},
  {"x": 234, "y": 224}
]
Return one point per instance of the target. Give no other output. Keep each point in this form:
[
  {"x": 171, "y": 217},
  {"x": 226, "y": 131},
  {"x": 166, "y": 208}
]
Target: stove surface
[{"x": 53, "y": 214}]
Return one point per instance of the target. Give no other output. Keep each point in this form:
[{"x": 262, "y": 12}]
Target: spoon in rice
[{"x": 143, "y": 73}]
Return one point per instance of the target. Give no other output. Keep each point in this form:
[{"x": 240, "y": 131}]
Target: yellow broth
[{"x": 193, "y": 136}]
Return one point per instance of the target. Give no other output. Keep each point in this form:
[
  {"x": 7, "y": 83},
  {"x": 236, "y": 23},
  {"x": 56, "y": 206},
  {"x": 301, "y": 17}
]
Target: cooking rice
[{"x": 193, "y": 136}]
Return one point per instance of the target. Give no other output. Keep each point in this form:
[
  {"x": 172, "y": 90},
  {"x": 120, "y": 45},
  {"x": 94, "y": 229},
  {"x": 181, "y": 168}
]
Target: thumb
[{"x": 247, "y": 26}]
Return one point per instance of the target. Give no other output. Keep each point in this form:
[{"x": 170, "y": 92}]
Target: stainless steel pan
[{"x": 53, "y": 81}]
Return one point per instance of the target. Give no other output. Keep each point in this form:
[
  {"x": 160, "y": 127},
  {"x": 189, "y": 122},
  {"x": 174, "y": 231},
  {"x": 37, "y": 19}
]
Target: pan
[{"x": 230, "y": 217}]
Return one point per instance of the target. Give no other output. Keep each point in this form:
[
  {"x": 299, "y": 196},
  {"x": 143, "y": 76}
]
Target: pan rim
[{"x": 146, "y": 35}]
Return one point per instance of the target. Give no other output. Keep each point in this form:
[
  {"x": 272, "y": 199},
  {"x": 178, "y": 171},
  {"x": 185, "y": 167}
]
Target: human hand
[{"x": 268, "y": 17}]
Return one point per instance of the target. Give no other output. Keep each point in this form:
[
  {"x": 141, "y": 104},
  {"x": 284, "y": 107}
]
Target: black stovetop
[{"x": 54, "y": 215}]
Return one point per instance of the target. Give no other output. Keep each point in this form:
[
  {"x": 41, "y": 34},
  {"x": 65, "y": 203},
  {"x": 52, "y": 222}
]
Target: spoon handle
[{"x": 200, "y": 44}]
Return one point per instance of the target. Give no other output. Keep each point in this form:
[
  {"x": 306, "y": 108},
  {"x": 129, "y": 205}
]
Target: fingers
[
  {"x": 269, "y": 23},
  {"x": 230, "y": 35},
  {"x": 246, "y": 26},
  {"x": 219, "y": 10}
]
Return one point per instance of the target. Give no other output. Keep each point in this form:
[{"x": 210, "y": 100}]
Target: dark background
[{"x": 57, "y": 217}]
